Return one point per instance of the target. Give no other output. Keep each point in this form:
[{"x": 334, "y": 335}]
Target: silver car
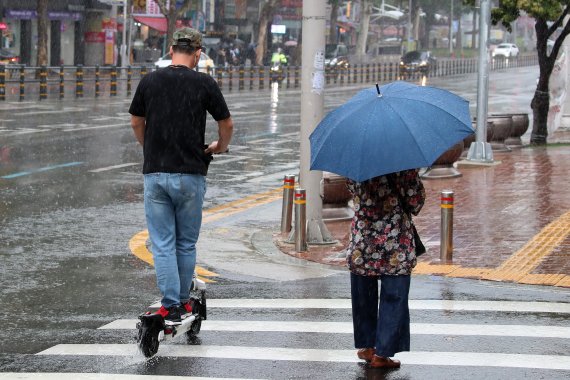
[
  {"x": 205, "y": 65},
  {"x": 506, "y": 50}
]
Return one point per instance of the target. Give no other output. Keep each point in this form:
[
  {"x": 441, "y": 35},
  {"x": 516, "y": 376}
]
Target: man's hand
[
  {"x": 215, "y": 148},
  {"x": 225, "y": 131}
]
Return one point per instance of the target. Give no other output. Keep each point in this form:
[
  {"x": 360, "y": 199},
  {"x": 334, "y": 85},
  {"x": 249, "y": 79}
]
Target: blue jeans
[
  {"x": 386, "y": 326},
  {"x": 173, "y": 209}
]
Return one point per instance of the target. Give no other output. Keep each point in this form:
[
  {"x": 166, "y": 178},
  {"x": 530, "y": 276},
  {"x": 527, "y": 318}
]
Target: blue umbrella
[{"x": 388, "y": 129}]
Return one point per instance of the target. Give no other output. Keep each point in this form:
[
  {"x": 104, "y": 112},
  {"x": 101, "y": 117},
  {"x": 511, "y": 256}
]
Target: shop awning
[{"x": 156, "y": 23}]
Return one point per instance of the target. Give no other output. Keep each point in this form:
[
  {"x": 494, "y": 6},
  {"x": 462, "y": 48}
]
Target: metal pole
[
  {"x": 300, "y": 220},
  {"x": 480, "y": 150},
  {"x": 124, "y": 56},
  {"x": 446, "y": 239},
  {"x": 451, "y": 30},
  {"x": 409, "y": 33},
  {"x": 287, "y": 208},
  {"x": 312, "y": 109}
]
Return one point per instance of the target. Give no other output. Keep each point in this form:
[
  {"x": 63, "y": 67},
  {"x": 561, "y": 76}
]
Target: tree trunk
[
  {"x": 264, "y": 19},
  {"x": 42, "y": 32},
  {"x": 364, "y": 26},
  {"x": 332, "y": 23},
  {"x": 474, "y": 31},
  {"x": 541, "y": 101},
  {"x": 168, "y": 9}
]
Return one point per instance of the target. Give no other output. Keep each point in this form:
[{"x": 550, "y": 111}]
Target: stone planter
[
  {"x": 443, "y": 166},
  {"x": 335, "y": 197},
  {"x": 520, "y": 126},
  {"x": 502, "y": 129}
]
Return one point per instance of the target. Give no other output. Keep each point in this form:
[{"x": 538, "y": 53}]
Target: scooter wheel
[
  {"x": 148, "y": 340},
  {"x": 197, "y": 309},
  {"x": 195, "y": 327}
]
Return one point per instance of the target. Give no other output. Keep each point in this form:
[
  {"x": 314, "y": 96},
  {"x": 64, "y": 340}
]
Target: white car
[
  {"x": 505, "y": 50},
  {"x": 205, "y": 65}
]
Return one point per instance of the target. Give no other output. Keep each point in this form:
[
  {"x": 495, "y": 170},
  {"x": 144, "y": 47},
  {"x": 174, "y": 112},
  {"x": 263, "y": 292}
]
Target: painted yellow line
[
  {"x": 138, "y": 247},
  {"x": 518, "y": 267}
]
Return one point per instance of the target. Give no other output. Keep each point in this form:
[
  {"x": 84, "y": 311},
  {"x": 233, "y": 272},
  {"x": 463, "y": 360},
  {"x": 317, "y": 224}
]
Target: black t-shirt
[{"x": 174, "y": 102}]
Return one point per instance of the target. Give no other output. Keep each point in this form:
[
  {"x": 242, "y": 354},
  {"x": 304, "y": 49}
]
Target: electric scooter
[{"x": 152, "y": 329}]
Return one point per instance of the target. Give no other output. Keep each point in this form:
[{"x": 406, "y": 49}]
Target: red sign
[
  {"x": 95, "y": 37},
  {"x": 3, "y": 26}
]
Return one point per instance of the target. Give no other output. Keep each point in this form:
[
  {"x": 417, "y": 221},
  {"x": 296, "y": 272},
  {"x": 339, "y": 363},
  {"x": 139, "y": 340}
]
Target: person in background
[
  {"x": 382, "y": 248},
  {"x": 279, "y": 57}
]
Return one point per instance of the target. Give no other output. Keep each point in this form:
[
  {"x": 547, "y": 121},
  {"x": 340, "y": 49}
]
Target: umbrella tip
[{"x": 378, "y": 89}]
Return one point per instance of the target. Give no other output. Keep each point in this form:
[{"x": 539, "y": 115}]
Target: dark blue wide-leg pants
[{"x": 385, "y": 326}]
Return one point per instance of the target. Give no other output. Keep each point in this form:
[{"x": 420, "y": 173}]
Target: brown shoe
[
  {"x": 382, "y": 362},
  {"x": 365, "y": 354}
]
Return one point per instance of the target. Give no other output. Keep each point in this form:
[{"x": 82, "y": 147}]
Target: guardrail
[{"x": 19, "y": 82}]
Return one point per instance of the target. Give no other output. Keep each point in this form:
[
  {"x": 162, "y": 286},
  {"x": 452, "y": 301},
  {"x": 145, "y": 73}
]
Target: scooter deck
[{"x": 166, "y": 331}]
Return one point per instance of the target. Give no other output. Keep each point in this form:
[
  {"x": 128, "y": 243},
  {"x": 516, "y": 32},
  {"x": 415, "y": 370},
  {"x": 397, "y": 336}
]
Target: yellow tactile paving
[
  {"x": 531, "y": 254},
  {"x": 428, "y": 268},
  {"x": 564, "y": 282},
  {"x": 519, "y": 266},
  {"x": 469, "y": 272},
  {"x": 541, "y": 279}
]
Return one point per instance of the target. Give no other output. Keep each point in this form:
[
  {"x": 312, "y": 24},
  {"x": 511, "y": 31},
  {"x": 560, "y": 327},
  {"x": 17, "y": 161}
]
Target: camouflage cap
[{"x": 187, "y": 37}]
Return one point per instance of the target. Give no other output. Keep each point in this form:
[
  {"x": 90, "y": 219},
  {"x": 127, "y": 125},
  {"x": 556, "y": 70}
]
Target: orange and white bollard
[
  {"x": 446, "y": 239},
  {"x": 300, "y": 220},
  {"x": 287, "y": 208}
]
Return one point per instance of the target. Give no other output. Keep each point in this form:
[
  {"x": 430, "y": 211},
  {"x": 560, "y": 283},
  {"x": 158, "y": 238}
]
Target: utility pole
[
  {"x": 124, "y": 55},
  {"x": 409, "y": 34},
  {"x": 312, "y": 108},
  {"x": 451, "y": 30},
  {"x": 480, "y": 150}
]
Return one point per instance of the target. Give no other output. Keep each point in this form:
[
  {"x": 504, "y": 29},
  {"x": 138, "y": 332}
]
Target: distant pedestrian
[
  {"x": 382, "y": 248},
  {"x": 169, "y": 112}
]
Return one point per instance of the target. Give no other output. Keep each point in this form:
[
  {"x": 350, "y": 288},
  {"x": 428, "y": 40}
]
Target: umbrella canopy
[
  {"x": 388, "y": 129},
  {"x": 290, "y": 43}
]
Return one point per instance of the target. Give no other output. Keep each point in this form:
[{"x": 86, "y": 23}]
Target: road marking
[
  {"x": 347, "y": 328},
  {"x": 39, "y": 170},
  {"x": 97, "y": 376},
  {"x": 96, "y": 127},
  {"x": 137, "y": 244},
  {"x": 553, "y": 362},
  {"x": 65, "y": 110},
  {"x": 113, "y": 167},
  {"x": 341, "y": 303}
]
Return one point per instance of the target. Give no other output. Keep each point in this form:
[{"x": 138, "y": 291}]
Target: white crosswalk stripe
[
  {"x": 313, "y": 355},
  {"x": 346, "y": 328},
  {"x": 550, "y": 360}
]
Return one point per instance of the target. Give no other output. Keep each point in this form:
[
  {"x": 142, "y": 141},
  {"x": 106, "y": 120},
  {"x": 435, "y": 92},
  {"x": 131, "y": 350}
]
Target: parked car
[
  {"x": 205, "y": 65},
  {"x": 505, "y": 50},
  {"x": 417, "y": 62},
  {"x": 8, "y": 58}
]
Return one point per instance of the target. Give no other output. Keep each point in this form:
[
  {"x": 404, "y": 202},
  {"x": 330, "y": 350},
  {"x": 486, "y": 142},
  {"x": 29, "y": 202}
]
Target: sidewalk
[{"x": 511, "y": 220}]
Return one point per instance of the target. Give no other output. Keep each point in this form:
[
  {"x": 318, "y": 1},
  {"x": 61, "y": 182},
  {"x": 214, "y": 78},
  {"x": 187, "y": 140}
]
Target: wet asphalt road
[{"x": 71, "y": 198}]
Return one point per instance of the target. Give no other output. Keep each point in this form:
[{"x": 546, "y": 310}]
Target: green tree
[{"x": 549, "y": 16}]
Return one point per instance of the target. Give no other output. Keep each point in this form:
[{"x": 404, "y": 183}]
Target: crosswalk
[{"x": 300, "y": 331}]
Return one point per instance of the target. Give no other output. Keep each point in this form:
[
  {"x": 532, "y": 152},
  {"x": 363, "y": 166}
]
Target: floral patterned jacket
[{"x": 382, "y": 241}]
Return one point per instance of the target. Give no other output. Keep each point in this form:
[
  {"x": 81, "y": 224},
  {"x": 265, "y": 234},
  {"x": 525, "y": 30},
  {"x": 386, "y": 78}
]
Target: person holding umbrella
[
  {"x": 382, "y": 248},
  {"x": 377, "y": 140}
]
